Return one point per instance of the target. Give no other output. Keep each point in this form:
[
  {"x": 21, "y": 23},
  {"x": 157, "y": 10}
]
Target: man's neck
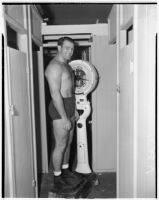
[{"x": 60, "y": 59}]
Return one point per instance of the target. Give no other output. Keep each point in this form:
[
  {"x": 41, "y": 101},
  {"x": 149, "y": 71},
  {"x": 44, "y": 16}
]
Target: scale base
[{"x": 83, "y": 168}]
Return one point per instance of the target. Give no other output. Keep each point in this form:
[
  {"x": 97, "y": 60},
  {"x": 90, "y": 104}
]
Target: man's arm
[{"x": 53, "y": 75}]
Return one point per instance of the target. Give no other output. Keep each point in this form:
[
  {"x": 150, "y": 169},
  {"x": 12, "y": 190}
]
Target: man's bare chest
[{"x": 67, "y": 73}]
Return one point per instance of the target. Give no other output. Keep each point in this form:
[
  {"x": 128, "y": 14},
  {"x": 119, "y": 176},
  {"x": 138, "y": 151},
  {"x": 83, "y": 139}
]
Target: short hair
[{"x": 62, "y": 39}]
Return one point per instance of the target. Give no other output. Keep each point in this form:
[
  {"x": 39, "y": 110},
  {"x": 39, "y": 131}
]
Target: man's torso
[{"x": 67, "y": 79}]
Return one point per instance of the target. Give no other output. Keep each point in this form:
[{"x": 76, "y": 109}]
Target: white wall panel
[
  {"x": 146, "y": 34},
  {"x": 126, "y": 15},
  {"x": 16, "y": 12}
]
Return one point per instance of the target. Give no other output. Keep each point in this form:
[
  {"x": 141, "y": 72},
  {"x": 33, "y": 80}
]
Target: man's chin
[{"x": 68, "y": 59}]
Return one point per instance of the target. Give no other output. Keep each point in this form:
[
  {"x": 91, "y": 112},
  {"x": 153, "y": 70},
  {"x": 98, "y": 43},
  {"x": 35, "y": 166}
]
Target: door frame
[
  {"x": 8, "y": 121},
  {"x": 117, "y": 83},
  {"x": 157, "y": 113}
]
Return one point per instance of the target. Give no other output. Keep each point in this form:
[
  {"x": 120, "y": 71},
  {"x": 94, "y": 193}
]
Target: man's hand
[
  {"x": 67, "y": 124},
  {"x": 76, "y": 115}
]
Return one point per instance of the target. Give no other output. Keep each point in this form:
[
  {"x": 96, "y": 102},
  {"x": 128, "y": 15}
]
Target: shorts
[{"x": 69, "y": 105}]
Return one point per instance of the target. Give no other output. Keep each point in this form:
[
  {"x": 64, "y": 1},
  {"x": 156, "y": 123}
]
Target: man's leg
[
  {"x": 61, "y": 139},
  {"x": 68, "y": 147}
]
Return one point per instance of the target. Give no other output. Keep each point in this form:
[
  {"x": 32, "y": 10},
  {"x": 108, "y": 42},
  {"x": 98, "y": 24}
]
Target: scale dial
[{"x": 86, "y": 76}]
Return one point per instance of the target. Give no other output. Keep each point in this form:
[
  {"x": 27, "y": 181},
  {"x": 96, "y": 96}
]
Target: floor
[{"x": 105, "y": 189}]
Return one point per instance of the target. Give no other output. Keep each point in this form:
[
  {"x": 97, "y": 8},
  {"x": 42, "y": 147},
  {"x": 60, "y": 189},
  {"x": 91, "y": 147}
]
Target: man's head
[{"x": 66, "y": 47}]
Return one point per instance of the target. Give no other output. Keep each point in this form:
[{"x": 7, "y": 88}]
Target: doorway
[{"x": 80, "y": 53}]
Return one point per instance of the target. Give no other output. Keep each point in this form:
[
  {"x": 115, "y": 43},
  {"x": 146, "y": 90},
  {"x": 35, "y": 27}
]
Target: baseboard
[{"x": 104, "y": 170}]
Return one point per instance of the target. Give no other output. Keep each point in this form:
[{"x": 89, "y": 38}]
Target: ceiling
[{"x": 75, "y": 13}]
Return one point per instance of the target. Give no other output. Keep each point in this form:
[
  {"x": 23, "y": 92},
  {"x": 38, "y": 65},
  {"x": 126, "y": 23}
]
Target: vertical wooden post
[
  {"x": 32, "y": 98},
  {"x": 117, "y": 82}
]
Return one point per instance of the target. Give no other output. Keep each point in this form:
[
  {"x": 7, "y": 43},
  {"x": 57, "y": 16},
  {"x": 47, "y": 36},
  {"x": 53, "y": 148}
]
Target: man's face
[{"x": 67, "y": 49}]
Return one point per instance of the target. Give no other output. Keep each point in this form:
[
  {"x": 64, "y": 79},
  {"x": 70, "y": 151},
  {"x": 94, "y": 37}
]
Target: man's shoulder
[{"x": 53, "y": 66}]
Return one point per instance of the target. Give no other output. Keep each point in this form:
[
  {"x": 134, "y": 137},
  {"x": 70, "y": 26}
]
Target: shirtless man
[{"x": 62, "y": 110}]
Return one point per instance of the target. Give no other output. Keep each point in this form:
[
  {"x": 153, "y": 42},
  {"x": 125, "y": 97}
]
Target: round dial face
[
  {"x": 85, "y": 76},
  {"x": 80, "y": 78}
]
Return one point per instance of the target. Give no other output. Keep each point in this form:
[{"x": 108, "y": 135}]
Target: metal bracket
[
  {"x": 118, "y": 88},
  {"x": 34, "y": 183}
]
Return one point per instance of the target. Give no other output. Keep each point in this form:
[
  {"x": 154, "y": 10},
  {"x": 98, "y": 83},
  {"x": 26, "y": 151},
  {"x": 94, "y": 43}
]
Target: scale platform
[{"x": 82, "y": 192}]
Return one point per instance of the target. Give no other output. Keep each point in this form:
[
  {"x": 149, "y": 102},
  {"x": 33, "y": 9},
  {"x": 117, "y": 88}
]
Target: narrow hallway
[{"x": 84, "y": 86}]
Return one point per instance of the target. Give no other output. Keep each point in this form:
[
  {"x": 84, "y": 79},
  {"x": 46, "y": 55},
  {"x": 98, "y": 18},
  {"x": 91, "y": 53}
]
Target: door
[
  {"x": 22, "y": 148},
  {"x": 104, "y": 111}
]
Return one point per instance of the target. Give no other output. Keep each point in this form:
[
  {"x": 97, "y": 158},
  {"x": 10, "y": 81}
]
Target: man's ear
[{"x": 59, "y": 48}]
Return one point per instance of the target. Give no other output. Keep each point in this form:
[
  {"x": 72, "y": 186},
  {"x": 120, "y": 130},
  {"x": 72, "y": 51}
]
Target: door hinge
[
  {"x": 34, "y": 183},
  {"x": 12, "y": 110},
  {"x": 131, "y": 67},
  {"x": 118, "y": 88}
]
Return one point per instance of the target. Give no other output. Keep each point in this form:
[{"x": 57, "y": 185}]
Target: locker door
[
  {"x": 22, "y": 148},
  {"x": 126, "y": 122},
  {"x": 104, "y": 106}
]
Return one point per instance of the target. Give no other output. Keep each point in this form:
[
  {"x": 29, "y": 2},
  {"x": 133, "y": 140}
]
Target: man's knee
[{"x": 61, "y": 144}]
